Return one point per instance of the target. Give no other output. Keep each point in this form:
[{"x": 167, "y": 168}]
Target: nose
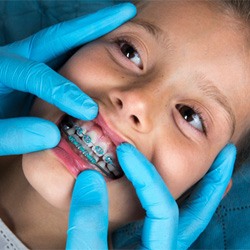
[{"x": 134, "y": 107}]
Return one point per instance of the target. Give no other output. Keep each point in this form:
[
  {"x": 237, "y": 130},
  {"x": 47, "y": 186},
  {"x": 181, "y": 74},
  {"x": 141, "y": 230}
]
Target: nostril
[
  {"x": 119, "y": 103},
  {"x": 135, "y": 119}
]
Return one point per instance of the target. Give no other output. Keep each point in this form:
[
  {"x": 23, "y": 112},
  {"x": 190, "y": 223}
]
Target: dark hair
[
  {"x": 240, "y": 9},
  {"x": 243, "y": 148}
]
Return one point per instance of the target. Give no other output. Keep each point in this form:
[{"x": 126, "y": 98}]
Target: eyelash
[
  {"x": 120, "y": 40},
  {"x": 200, "y": 114}
]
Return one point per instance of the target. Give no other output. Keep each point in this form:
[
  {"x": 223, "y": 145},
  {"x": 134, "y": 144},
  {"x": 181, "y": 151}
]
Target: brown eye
[
  {"x": 130, "y": 52},
  {"x": 190, "y": 116}
]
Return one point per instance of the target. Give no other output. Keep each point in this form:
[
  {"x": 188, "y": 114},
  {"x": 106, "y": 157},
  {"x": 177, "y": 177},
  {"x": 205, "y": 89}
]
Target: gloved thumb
[
  {"x": 88, "y": 218},
  {"x": 27, "y": 134},
  {"x": 199, "y": 207}
]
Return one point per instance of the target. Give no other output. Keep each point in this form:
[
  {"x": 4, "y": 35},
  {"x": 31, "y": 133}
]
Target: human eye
[
  {"x": 129, "y": 51},
  {"x": 192, "y": 116}
]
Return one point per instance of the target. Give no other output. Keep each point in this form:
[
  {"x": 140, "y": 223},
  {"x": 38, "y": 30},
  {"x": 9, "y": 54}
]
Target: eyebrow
[
  {"x": 206, "y": 86},
  {"x": 210, "y": 90},
  {"x": 152, "y": 29}
]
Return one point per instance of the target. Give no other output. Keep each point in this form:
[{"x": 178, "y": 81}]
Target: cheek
[
  {"x": 182, "y": 169},
  {"x": 91, "y": 70},
  {"x": 49, "y": 178},
  {"x": 189, "y": 177}
]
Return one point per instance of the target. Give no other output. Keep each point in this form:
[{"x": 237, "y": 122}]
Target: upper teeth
[
  {"x": 89, "y": 144},
  {"x": 80, "y": 132}
]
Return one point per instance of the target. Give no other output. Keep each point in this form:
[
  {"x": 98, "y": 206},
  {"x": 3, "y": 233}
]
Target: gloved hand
[
  {"x": 165, "y": 226},
  {"x": 22, "y": 68},
  {"x": 88, "y": 219}
]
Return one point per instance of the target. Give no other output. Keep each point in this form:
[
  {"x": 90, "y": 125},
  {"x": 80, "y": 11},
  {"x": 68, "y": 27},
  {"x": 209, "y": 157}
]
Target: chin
[
  {"x": 49, "y": 178},
  {"x": 54, "y": 183}
]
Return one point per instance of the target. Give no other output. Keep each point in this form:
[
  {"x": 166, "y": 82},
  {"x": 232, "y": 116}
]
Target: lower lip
[{"x": 74, "y": 163}]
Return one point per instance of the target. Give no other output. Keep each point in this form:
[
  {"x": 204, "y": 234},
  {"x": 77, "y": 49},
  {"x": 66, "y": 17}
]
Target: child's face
[{"x": 177, "y": 91}]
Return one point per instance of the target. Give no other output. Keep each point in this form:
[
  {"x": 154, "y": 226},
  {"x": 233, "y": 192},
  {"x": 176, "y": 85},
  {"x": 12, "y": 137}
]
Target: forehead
[
  {"x": 161, "y": 8},
  {"x": 204, "y": 39},
  {"x": 193, "y": 15}
]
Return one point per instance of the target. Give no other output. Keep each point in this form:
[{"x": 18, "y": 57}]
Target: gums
[{"x": 89, "y": 147}]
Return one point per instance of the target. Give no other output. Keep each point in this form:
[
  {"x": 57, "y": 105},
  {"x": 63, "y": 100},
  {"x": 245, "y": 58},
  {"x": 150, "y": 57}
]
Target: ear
[{"x": 228, "y": 187}]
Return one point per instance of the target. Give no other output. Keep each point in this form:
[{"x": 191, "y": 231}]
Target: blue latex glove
[
  {"x": 165, "y": 225},
  {"x": 88, "y": 219},
  {"x": 22, "y": 69}
]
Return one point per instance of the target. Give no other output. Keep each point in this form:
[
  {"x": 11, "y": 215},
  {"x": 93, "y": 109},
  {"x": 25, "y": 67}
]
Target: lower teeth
[{"x": 77, "y": 136}]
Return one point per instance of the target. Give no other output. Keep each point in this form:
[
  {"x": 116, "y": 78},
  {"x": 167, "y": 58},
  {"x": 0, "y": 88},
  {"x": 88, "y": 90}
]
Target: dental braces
[{"x": 78, "y": 137}]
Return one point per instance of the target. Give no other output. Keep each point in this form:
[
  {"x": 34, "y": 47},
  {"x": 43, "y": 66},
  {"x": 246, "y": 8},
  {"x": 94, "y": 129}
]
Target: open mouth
[{"x": 92, "y": 145}]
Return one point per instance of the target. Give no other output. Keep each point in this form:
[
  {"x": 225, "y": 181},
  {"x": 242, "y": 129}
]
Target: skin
[{"x": 197, "y": 48}]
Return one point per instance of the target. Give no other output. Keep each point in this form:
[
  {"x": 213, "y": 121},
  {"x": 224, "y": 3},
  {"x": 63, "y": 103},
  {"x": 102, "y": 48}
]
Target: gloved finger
[
  {"x": 37, "y": 78},
  {"x": 27, "y": 134},
  {"x": 161, "y": 222},
  {"x": 62, "y": 37},
  {"x": 199, "y": 208},
  {"x": 88, "y": 218}
]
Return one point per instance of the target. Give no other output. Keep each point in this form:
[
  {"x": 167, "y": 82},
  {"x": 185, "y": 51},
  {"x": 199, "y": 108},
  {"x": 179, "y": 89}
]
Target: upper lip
[{"x": 108, "y": 130}]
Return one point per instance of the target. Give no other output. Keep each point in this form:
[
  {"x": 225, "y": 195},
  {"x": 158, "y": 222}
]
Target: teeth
[
  {"x": 109, "y": 158},
  {"x": 80, "y": 131},
  {"x": 102, "y": 164},
  {"x": 93, "y": 145},
  {"x": 105, "y": 171},
  {"x": 94, "y": 156},
  {"x": 86, "y": 126},
  {"x": 83, "y": 150},
  {"x": 111, "y": 167},
  {"x": 70, "y": 131},
  {"x": 107, "y": 142},
  {"x": 65, "y": 127},
  {"x": 87, "y": 140},
  {"x": 114, "y": 170},
  {"x": 90, "y": 158},
  {"x": 100, "y": 148},
  {"x": 92, "y": 137},
  {"x": 75, "y": 140},
  {"x": 95, "y": 133}
]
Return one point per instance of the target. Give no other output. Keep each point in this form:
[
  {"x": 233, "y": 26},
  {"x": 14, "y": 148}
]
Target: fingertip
[
  {"x": 90, "y": 188},
  {"x": 125, "y": 147},
  {"x": 222, "y": 168},
  {"x": 90, "y": 109},
  {"x": 73, "y": 101},
  {"x": 126, "y": 157},
  {"x": 39, "y": 134},
  {"x": 47, "y": 132},
  {"x": 226, "y": 156},
  {"x": 137, "y": 168},
  {"x": 54, "y": 134},
  {"x": 229, "y": 151},
  {"x": 89, "y": 176},
  {"x": 129, "y": 10},
  {"x": 28, "y": 134},
  {"x": 127, "y": 154},
  {"x": 126, "y": 11}
]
